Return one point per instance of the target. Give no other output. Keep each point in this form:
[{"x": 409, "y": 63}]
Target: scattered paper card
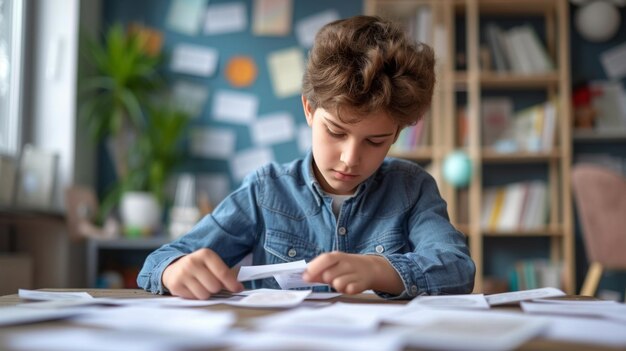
[
  {"x": 272, "y": 299},
  {"x": 308, "y": 27},
  {"x": 194, "y": 60},
  {"x": 473, "y": 301},
  {"x": 517, "y": 296},
  {"x": 185, "y": 16},
  {"x": 225, "y": 18},
  {"x": 235, "y": 107},
  {"x": 615, "y": 311},
  {"x": 20, "y": 315},
  {"x": 273, "y": 129},
  {"x": 212, "y": 142},
  {"x": 247, "y": 273},
  {"x": 52, "y": 295},
  {"x": 160, "y": 319}
]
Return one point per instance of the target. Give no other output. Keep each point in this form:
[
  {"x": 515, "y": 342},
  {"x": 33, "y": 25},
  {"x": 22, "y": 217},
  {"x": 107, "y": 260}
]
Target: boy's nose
[{"x": 350, "y": 154}]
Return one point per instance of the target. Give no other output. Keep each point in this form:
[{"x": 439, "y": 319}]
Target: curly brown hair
[{"x": 366, "y": 64}]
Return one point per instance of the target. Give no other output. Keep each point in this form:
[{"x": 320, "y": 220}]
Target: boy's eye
[
  {"x": 375, "y": 143},
  {"x": 333, "y": 134}
]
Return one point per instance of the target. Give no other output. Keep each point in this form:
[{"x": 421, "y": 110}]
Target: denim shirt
[{"x": 280, "y": 214}]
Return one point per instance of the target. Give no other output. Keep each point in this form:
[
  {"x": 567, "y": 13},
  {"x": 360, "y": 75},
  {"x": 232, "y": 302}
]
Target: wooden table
[{"x": 244, "y": 315}]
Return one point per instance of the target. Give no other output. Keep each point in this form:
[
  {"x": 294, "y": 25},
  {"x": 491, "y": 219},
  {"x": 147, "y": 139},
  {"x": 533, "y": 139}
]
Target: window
[{"x": 11, "y": 57}]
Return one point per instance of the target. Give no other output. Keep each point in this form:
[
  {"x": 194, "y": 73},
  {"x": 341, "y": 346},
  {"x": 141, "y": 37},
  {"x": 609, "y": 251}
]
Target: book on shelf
[
  {"x": 535, "y": 274},
  {"x": 532, "y": 129},
  {"x": 496, "y": 114},
  {"x": 412, "y": 137},
  {"x": 518, "y": 50},
  {"x": 515, "y": 206}
]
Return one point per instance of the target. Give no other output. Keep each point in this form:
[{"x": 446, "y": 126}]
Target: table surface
[{"x": 244, "y": 315}]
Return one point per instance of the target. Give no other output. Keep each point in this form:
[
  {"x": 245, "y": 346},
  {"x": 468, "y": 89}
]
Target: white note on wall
[
  {"x": 185, "y": 16},
  {"x": 190, "y": 97},
  {"x": 235, "y": 107},
  {"x": 273, "y": 128},
  {"x": 225, "y": 18},
  {"x": 614, "y": 61},
  {"x": 247, "y": 161},
  {"x": 194, "y": 60},
  {"x": 286, "y": 69},
  {"x": 304, "y": 138},
  {"x": 212, "y": 142},
  {"x": 308, "y": 27}
]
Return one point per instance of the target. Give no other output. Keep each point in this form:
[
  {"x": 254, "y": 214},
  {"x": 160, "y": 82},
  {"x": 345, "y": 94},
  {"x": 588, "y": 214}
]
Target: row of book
[
  {"x": 518, "y": 50},
  {"x": 516, "y": 206},
  {"x": 530, "y": 129},
  {"x": 412, "y": 137},
  {"x": 535, "y": 274}
]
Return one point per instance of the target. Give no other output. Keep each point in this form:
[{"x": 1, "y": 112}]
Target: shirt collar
[{"x": 316, "y": 188}]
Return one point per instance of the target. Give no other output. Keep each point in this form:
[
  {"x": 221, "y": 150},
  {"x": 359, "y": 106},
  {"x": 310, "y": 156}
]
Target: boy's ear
[{"x": 308, "y": 110}]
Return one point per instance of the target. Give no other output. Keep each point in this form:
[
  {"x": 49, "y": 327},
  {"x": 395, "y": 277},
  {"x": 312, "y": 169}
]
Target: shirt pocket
[
  {"x": 386, "y": 244},
  {"x": 284, "y": 247}
]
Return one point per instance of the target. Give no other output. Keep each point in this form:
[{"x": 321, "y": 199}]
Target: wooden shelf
[
  {"x": 491, "y": 156},
  {"x": 549, "y": 232},
  {"x": 591, "y": 135},
  {"x": 513, "y": 8},
  {"x": 422, "y": 154},
  {"x": 509, "y": 80}
]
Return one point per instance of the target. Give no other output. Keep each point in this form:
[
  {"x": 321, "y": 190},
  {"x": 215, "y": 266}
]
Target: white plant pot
[{"x": 140, "y": 212}]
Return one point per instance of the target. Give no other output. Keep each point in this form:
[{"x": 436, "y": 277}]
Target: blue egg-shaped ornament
[{"x": 457, "y": 169}]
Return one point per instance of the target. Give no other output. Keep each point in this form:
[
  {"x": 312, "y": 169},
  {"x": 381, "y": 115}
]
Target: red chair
[{"x": 600, "y": 196}]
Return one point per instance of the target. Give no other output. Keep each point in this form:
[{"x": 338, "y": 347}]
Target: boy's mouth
[{"x": 343, "y": 176}]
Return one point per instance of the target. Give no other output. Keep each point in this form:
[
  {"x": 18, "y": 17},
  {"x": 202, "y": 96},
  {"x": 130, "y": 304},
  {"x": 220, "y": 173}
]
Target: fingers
[
  {"x": 319, "y": 265},
  {"x": 199, "y": 275}
]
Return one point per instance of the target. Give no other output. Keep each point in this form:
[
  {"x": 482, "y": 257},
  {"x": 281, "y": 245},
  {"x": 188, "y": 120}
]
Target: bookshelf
[{"x": 456, "y": 29}]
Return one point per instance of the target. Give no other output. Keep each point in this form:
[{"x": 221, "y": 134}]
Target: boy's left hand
[{"x": 353, "y": 274}]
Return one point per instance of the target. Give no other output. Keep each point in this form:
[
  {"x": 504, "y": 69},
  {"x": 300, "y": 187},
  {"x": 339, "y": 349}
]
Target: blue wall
[{"x": 153, "y": 13}]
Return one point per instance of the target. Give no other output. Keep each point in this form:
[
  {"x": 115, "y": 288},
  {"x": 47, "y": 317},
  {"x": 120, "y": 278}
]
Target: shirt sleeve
[
  {"x": 230, "y": 230},
  {"x": 439, "y": 263}
]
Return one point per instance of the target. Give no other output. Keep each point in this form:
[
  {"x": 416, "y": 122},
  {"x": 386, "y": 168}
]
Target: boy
[{"x": 360, "y": 221}]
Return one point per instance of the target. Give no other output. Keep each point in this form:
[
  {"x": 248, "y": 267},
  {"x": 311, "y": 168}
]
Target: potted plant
[{"x": 123, "y": 106}]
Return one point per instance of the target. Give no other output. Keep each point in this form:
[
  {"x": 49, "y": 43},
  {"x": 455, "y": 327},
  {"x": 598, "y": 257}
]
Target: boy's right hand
[{"x": 199, "y": 275}]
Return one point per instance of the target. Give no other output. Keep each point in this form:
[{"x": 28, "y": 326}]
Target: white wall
[{"x": 53, "y": 121}]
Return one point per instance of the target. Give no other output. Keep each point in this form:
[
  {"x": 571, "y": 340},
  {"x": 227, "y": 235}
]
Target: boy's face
[{"x": 347, "y": 154}]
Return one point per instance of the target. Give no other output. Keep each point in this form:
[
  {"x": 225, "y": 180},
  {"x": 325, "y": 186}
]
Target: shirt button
[
  {"x": 413, "y": 290},
  {"x": 292, "y": 252},
  {"x": 380, "y": 249},
  {"x": 342, "y": 230}
]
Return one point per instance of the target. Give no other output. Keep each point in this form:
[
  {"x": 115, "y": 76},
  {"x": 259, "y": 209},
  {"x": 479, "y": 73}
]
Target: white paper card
[
  {"x": 517, "y": 296},
  {"x": 190, "y": 97},
  {"x": 293, "y": 280},
  {"x": 272, "y": 129},
  {"x": 247, "y": 273},
  {"x": 225, "y": 18},
  {"x": 473, "y": 301},
  {"x": 308, "y": 27},
  {"x": 19, "y": 315},
  {"x": 212, "y": 142},
  {"x": 160, "y": 319},
  {"x": 246, "y": 162},
  {"x": 185, "y": 16},
  {"x": 273, "y": 299},
  {"x": 304, "y": 138},
  {"x": 235, "y": 107},
  {"x": 52, "y": 295},
  {"x": 194, "y": 60},
  {"x": 614, "y": 61},
  {"x": 272, "y": 17},
  {"x": 615, "y": 311},
  {"x": 286, "y": 69}
]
